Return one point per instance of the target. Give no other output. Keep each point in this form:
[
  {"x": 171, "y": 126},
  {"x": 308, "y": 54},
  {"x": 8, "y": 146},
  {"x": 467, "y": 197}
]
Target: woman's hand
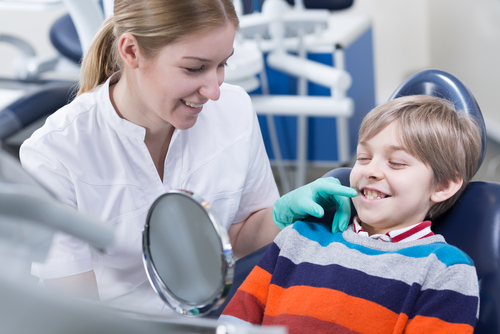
[{"x": 312, "y": 200}]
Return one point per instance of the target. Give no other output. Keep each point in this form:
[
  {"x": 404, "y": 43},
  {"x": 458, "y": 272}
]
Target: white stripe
[
  {"x": 233, "y": 320},
  {"x": 418, "y": 235}
]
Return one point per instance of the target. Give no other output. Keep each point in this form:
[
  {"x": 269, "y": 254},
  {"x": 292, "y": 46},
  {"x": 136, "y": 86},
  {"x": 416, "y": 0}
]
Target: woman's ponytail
[{"x": 100, "y": 61}]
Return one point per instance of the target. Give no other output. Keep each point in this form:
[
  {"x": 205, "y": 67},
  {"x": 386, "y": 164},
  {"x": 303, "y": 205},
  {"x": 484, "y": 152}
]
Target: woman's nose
[{"x": 211, "y": 86}]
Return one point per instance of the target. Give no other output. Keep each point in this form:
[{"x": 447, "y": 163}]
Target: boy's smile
[{"x": 395, "y": 188}]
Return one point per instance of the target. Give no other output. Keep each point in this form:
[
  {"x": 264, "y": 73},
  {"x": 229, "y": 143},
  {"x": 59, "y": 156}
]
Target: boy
[{"x": 387, "y": 273}]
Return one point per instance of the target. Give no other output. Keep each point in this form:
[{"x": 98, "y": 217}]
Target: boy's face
[{"x": 394, "y": 188}]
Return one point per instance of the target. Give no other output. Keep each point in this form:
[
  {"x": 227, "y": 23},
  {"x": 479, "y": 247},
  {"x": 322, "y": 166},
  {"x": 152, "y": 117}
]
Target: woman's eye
[
  {"x": 195, "y": 70},
  {"x": 222, "y": 65}
]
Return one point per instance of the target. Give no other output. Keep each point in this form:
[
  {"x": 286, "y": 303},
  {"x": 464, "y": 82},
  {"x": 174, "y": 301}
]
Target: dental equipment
[
  {"x": 285, "y": 35},
  {"x": 187, "y": 253}
]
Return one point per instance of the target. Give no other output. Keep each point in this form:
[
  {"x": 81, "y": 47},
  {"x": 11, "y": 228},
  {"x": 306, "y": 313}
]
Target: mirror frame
[{"x": 179, "y": 305}]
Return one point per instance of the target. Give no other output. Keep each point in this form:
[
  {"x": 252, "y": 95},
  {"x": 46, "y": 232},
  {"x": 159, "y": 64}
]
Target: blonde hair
[
  {"x": 154, "y": 24},
  {"x": 430, "y": 129}
]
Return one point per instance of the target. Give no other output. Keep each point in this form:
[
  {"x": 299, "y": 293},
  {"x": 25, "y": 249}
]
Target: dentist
[{"x": 152, "y": 114}]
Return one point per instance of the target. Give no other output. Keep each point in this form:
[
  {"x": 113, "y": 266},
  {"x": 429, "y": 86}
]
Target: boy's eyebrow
[
  {"x": 204, "y": 59},
  {"x": 390, "y": 147}
]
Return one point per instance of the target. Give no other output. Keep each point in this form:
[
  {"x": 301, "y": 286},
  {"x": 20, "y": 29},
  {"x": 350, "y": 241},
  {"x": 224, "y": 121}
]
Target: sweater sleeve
[
  {"x": 249, "y": 302},
  {"x": 447, "y": 303}
]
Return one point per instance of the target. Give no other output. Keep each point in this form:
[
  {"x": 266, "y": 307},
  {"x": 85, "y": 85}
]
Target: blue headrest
[
  {"x": 325, "y": 4},
  {"x": 444, "y": 85},
  {"x": 249, "y": 6},
  {"x": 65, "y": 39}
]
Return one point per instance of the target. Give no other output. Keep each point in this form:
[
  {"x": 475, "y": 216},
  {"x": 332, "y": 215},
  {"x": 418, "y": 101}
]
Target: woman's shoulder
[
  {"x": 233, "y": 89},
  {"x": 232, "y": 96},
  {"x": 233, "y": 112},
  {"x": 73, "y": 115}
]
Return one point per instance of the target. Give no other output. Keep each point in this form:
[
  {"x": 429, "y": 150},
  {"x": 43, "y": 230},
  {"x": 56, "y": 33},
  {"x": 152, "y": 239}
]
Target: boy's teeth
[{"x": 371, "y": 194}]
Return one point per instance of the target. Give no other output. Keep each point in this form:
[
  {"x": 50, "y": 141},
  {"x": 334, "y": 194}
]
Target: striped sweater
[{"x": 313, "y": 281}]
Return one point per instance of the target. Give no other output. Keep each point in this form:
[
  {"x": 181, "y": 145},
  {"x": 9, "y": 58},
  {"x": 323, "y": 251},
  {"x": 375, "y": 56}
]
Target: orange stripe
[
  {"x": 401, "y": 324},
  {"x": 329, "y": 305},
  {"x": 257, "y": 284},
  {"x": 421, "y": 324}
]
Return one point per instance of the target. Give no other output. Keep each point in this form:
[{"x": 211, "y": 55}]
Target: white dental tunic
[{"x": 92, "y": 159}]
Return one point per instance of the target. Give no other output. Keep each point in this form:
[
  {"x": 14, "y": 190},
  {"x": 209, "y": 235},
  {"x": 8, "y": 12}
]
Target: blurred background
[{"x": 461, "y": 37}]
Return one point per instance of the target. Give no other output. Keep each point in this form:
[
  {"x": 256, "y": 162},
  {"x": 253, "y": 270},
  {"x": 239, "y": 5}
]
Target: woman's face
[{"x": 183, "y": 76}]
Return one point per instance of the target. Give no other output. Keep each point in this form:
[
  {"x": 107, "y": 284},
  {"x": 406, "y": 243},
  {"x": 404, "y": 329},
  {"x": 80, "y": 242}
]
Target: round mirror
[{"x": 187, "y": 253}]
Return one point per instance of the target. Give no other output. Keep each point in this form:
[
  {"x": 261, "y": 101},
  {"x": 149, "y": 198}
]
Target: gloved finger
[
  {"x": 309, "y": 207},
  {"x": 326, "y": 193},
  {"x": 330, "y": 186},
  {"x": 342, "y": 215}
]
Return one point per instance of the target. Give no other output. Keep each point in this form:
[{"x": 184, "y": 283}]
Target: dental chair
[
  {"x": 41, "y": 97},
  {"x": 472, "y": 224}
]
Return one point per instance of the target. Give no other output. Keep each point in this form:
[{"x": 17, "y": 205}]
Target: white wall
[
  {"x": 458, "y": 36},
  {"x": 400, "y": 37},
  {"x": 465, "y": 41}
]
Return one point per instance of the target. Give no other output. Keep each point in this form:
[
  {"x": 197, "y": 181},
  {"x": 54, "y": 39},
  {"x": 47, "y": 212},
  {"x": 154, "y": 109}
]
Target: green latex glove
[{"x": 312, "y": 199}]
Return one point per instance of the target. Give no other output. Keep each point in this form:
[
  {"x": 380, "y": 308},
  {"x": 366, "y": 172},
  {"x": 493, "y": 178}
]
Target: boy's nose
[{"x": 373, "y": 171}]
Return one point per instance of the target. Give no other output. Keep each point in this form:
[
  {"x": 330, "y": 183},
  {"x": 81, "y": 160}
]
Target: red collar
[{"x": 411, "y": 233}]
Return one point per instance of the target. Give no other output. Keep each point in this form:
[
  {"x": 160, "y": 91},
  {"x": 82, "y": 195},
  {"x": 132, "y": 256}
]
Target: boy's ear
[
  {"x": 129, "y": 51},
  {"x": 446, "y": 190}
]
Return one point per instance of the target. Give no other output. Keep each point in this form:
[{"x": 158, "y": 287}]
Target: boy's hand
[{"x": 312, "y": 199}]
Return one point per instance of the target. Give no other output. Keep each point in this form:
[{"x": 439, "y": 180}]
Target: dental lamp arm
[{"x": 19, "y": 200}]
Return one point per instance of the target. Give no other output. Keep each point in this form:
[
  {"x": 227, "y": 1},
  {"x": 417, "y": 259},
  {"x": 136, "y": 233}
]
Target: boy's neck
[
  {"x": 410, "y": 233},
  {"x": 373, "y": 230}
]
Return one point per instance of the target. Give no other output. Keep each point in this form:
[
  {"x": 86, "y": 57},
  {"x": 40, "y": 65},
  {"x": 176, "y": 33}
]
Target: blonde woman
[{"x": 152, "y": 114}]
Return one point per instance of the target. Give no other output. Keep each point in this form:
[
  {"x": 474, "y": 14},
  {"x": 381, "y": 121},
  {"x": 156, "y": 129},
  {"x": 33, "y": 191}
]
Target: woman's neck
[{"x": 158, "y": 136}]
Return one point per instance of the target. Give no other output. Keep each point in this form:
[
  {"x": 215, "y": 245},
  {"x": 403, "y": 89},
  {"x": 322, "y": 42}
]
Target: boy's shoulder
[
  {"x": 319, "y": 232},
  {"x": 450, "y": 255},
  {"x": 434, "y": 246}
]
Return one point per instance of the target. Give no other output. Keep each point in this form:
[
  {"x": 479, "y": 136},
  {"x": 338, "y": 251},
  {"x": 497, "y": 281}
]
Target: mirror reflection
[{"x": 185, "y": 253}]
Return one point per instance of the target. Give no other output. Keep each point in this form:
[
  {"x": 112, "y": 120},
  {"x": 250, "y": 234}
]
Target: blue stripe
[
  {"x": 321, "y": 233},
  {"x": 350, "y": 281},
  {"x": 394, "y": 295},
  {"x": 430, "y": 304},
  {"x": 268, "y": 260}
]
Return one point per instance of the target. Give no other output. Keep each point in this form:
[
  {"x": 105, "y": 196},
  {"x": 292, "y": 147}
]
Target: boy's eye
[
  {"x": 363, "y": 160},
  {"x": 397, "y": 164}
]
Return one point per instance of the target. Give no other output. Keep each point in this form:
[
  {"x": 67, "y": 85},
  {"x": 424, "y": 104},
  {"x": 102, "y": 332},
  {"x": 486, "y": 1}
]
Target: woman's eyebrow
[{"x": 204, "y": 59}]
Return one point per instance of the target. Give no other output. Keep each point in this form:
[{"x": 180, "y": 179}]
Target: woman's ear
[
  {"x": 446, "y": 190},
  {"x": 129, "y": 51}
]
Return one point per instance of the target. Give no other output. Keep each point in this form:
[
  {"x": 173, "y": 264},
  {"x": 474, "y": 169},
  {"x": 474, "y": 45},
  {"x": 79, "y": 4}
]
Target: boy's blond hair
[{"x": 430, "y": 129}]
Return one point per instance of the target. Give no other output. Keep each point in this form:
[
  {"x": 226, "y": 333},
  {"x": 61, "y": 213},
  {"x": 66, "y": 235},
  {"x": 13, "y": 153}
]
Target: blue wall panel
[{"x": 322, "y": 147}]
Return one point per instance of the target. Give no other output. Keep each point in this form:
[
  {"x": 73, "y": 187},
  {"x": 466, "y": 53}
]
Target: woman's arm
[
  {"x": 81, "y": 285},
  {"x": 253, "y": 233}
]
